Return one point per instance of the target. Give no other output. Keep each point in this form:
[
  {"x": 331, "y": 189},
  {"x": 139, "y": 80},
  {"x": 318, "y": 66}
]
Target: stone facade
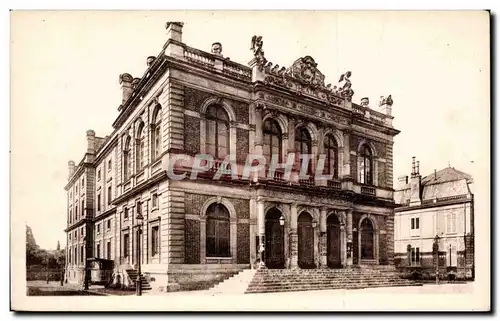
[
  {"x": 194, "y": 230},
  {"x": 442, "y": 205}
]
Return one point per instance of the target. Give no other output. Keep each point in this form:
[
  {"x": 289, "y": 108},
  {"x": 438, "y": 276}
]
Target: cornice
[{"x": 139, "y": 188}]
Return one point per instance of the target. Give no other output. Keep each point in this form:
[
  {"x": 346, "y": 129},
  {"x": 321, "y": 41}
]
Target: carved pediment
[{"x": 305, "y": 69}]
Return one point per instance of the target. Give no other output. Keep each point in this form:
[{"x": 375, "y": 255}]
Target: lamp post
[
  {"x": 85, "y": 266},
  {"x": 138, "y": 283}
]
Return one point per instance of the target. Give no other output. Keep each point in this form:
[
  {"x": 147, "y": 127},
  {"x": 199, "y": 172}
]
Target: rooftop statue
[
  {"x": 258, "y": 52},
  {"x": 386, "y": 101},
  {"x": 345, "y": 85}
]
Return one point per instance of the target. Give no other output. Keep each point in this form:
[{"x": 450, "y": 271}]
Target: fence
[{"x": 41, "y": 274}]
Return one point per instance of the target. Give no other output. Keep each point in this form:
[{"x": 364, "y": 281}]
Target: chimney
[
  {"x": 415, "y": 183},
  {"x": 71, "y": 168},
  {"x": 413, "y": 172},
  {"x": 126, "y": 86},
  {"x": 91, "y": 142},
  {"x": 435, "y": 174},
  {"x": 173, "y": 46}
]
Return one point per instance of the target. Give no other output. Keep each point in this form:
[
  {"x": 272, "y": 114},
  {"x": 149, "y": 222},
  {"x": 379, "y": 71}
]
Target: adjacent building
[
  {"x": 436, "y": 208},
  {"x": 189, "y": 102}
]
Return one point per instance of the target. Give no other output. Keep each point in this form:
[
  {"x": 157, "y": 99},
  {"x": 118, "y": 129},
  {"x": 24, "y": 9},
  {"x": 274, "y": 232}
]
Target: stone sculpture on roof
[
  {"x": 345, "y": 85},
  {"x": 258, "y": 52}
]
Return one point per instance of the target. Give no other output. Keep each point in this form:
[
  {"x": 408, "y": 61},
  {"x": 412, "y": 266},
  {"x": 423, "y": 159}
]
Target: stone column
[
  {"x": 262, "y": 231},
  {"x": 323, "y": 240},
  {"x": 346, "y": 157},
  {"x": 349, "y": 238},
  {"x": 258, "y": 128},
  {"x": 294, "y": 254},
  {"x": 343, "y": 245}
]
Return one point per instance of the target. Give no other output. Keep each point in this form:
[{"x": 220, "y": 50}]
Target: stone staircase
[
  {"x": 132, "y": 273},
  {"x": 237, "y": 284},
  {"x": 286, "y": 280}
]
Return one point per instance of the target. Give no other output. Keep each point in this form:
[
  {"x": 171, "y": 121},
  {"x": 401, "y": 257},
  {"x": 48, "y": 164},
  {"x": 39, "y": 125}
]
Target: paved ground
[
  {"x": 41, "y": 288},
  {"x": 431, "y": 297}
]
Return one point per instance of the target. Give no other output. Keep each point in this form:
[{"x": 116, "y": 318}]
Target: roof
[{"x": 448, "y": 174}]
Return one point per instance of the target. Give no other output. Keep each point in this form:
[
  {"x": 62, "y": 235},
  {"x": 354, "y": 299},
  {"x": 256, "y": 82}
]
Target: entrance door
[
  {"x": 367, "y": 248},
  {"x": 306, "y": 241},
  {"x": 333, "y": 241},
  {"x": 274, "y": 254}
]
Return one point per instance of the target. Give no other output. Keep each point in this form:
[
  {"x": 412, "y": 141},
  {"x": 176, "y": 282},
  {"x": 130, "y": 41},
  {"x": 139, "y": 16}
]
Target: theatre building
[{"x": 190, "y": 102}]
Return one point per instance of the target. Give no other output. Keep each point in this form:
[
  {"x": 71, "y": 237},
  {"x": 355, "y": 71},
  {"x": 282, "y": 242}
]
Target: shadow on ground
[{"x": 32, "y": 291}]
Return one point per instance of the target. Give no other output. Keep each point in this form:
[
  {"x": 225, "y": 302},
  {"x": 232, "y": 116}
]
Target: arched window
[
  {"x": 217, "y": 132},
  {"x": 139, "y": 143},
  {"x": 127, "y": 157},
  {"x": 217, "y": 231},
  {"x": 332, "y": 154},
  {"x": 273, "y": 143},
  {"x": 156, "y": 133},
  {"x": 303, "y": 145},
  {"x": 366, "y": 165}
]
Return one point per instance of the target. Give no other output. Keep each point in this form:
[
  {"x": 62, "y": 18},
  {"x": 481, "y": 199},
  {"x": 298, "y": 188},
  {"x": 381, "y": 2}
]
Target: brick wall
[
  {"x": 192, "y": 242},
  {"x": 242, "y": 146},
  {"x": 243, "y": 255},
  {"x": 192, "y": 134},
  {"x": 382, "y": 179}
]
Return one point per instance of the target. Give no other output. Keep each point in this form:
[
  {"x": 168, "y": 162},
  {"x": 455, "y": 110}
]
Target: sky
[{"x": 65, "y": 68}]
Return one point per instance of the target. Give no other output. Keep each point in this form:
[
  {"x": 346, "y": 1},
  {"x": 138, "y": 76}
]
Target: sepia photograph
[{"x": 250, "y": 161}]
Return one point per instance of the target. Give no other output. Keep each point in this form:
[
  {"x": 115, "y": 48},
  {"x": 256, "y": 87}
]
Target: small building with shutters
[{"x": 440, "y": 204}]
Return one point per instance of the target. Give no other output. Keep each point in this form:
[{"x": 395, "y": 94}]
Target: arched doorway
[
  {"x": 275, "y": 249},
  {"x": 306, "y": 241},
  {"x": 333, "y": 258},
  {"x": 367, "y": 240}
]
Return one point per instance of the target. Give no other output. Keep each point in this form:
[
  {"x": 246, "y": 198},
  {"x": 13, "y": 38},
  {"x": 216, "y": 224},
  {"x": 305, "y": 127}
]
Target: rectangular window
[
  {"x": 415, "y": 255},
  {"x": 69, "y": 256},
  {"x": 108, "y": 223},
  {"x": 154, "y": 200},
  {"x": 70, "y": 216},
  {"x": 99, "y": 174},
  {"x": 98, "y": 251},
  {"x": 76, "y": 213},
  {"x": 451, "y": 223},
  {"x": 69, "y": 236},
  {"x": 98, "y": 202},
  {"x": 108, "y": 250},
  {"x": 109, "y": 195},
  {"x": 126, "y": 241},
  {"x": 75, "y": 253},
  {"x": 109, "y": 165},
  {"x": 125, "y": 213},
  {"x": 154, "y": 240},
  {"x": 415, "y": 223},
  {"x": 98, "y": 226},
  {"x": 83, "y": 182},
  {"x": 83, "y": 208},
  {"x": 81, "y": 254},
  {"x": 139, "y": 208}
]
